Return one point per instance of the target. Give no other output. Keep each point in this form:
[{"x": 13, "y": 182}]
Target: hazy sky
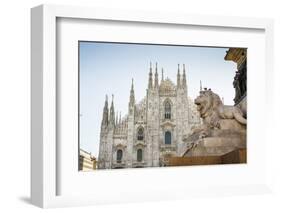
[{"x": 107, "y": 68}]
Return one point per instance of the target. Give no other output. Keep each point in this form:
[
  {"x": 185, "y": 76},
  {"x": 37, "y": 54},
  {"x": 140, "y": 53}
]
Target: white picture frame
[{"x": 44, "y": 82}]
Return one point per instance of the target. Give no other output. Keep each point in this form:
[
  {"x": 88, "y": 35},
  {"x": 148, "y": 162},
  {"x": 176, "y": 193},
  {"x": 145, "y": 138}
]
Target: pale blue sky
[{"x": 107, "y": 68}]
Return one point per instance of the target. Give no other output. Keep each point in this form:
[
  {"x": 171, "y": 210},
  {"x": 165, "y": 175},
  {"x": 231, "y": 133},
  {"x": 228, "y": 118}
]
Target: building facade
[
  {"x": 153, "y": 128},
  {"x": 87, "y": 162}
]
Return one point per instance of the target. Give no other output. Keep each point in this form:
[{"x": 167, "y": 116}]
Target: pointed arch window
[
  {"x": 168, "y": 138},
  {"x": 168, "y": 110},
  {"x": 140, "y": 134},
  {"x": 119, "y": 156},
  {"x": 139, "y": 155}
]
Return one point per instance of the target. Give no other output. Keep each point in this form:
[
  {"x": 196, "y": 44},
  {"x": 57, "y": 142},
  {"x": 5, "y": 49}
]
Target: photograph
[{"x": 160, "y": 105}]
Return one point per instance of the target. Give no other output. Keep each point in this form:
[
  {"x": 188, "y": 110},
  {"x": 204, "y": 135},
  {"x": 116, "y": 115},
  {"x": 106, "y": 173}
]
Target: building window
[
  {"x": 168, "y": 110},
  {"x": 119, "y": 155},
  {"x": 139, "y": 155},
  {"x": 168, "y": 137},
  {"x": 140, "y": 134}
]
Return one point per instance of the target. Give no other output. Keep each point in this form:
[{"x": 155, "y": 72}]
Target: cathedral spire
[
  {"x": 150, "y": 77},
  {"x": 120, "y": 118},
  {"x": 178, "y": 77},
  {"x": 200, "y": 85},
  {"x": 162, "y": 79},
  {"x": 183, "y": 77},
  {"x": 156, "y": 78},
  {"x": 105, "y": 112},
  {"x": 116, "y": 119},
  {"x": 132, "y": 94},
  {"x": 112, "y": 114}
]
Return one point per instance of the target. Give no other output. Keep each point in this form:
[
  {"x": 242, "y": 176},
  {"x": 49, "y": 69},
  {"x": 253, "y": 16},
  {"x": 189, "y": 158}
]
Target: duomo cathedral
[{"x": 152, "y": 129}]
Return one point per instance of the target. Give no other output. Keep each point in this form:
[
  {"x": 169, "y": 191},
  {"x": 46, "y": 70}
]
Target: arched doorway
[
  {"x": 139, "y": 155},
  {"x": 119, "y": 156}
]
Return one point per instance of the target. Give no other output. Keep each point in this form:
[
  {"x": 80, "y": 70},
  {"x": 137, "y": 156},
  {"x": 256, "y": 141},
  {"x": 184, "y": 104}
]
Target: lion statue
[{"x": 215, "y": 115}]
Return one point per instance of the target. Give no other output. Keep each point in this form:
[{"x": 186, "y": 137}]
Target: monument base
[
  {"x": 218, "y": 143},
  {"x": 220, "y": 147},
  {"x": 234, "y": 157}
]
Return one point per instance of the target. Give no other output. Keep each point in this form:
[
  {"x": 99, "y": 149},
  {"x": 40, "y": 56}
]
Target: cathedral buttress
[
  {"x": 178, "y": 78},
  {"x": 150, "y": 85},
  {"x": 156, "y": 84},
  {"x": 131, "y": 127},
  {"x": 184, "y": 78},
  {"x": 103, "y": 137}
]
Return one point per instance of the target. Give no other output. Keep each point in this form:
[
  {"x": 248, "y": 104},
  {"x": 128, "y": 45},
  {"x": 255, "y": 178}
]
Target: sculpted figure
[
  {"x": 215, "y": 115},
  {"x": 236, "y": 85}
]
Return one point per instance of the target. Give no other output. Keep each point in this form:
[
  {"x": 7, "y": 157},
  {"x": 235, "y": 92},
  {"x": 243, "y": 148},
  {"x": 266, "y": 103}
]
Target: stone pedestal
[{"x": 218, "y": 143}]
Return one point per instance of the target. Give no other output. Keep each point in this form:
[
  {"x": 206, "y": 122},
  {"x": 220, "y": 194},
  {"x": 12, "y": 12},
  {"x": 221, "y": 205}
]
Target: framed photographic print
[{"x": 149, "y": 106}]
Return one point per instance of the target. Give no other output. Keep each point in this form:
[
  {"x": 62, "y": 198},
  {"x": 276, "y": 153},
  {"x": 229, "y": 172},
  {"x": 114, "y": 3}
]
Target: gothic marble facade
[{"x": 153, "y": 128}]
